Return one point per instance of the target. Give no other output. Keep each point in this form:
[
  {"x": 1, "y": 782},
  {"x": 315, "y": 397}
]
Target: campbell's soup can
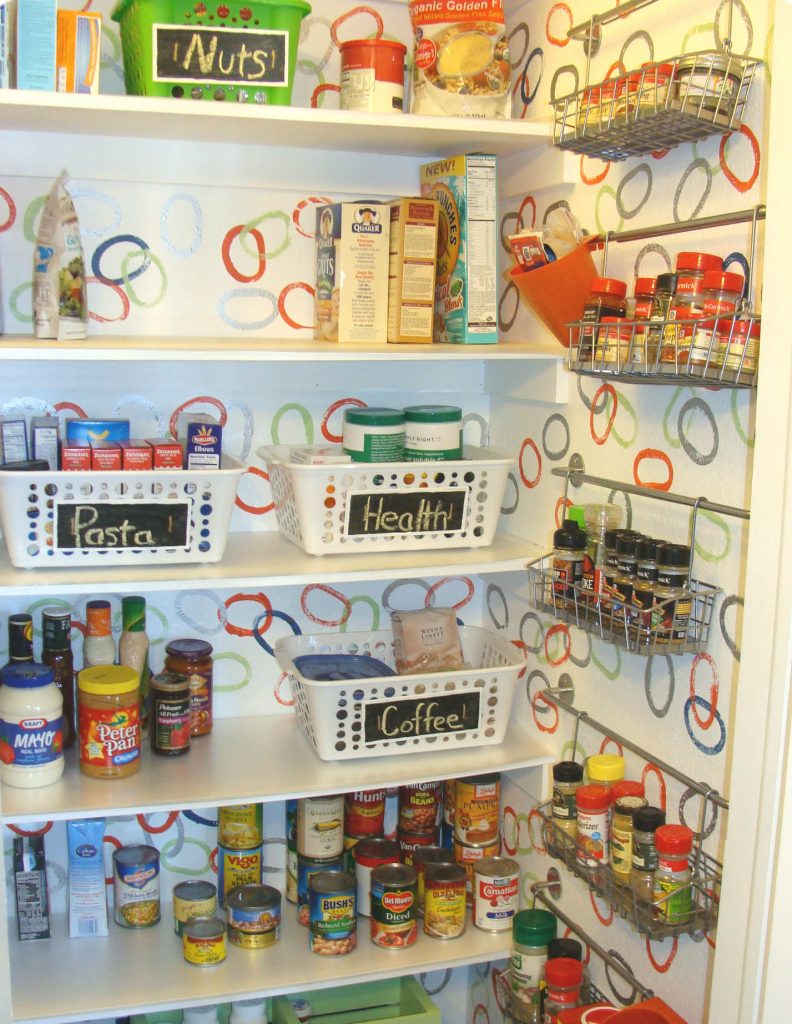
[
  {"x": 419, "y": 807},
  {"x": 468, "y": 855},
  {"x": 320, "y": 826},
  {"x": 237, "y": 867},
  {"x": 477, "y": 808},
  {"x": 194, "y": 898},
  {"x": 409, "y": 843},
  {"x": 136, "y": 886},
  {"x": 445, "y": 900},
  {"x": 240, "y": 827},
  {"x": 370, "y": 854},
  {"x": 422, "y": 856},
  {"x": 394, "y": 906},
  {"x": 332, "y": 913},
  {"x": 364, "y": 813},
  {"x": 496, "y": 893},
  {"x": 307, "y": 867}
]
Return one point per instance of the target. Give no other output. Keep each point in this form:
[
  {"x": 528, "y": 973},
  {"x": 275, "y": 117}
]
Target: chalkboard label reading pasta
[
  {"x": 122, "y": 526},
  {"x": 423, "y": 716},
  {"x": 381, "y": 513},
  {"x": 231, "y": 56}
]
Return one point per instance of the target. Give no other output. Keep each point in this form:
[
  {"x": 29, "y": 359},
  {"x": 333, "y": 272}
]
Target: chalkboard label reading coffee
[
  {"x": 379, "y": 513},
  {"x": 231, "y": 56},
  {"x": 121, "y": 526},
  {"x": 413, "y": 717}
]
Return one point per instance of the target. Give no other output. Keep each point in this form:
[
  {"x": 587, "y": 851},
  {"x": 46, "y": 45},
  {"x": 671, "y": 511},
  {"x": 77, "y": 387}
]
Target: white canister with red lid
[{"x": 372, "y": 75}]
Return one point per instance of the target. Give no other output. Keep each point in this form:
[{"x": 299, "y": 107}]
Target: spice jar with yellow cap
[
  {"x": 605, "y": 769},
  {"x": 108, "y": 701}
]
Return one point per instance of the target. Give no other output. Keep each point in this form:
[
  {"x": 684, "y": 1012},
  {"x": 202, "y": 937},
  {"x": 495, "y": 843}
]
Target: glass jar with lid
[
  {"x": 723, "y": 292},
  {"x": 193, "y": 659},
  {"x": 605, "y": 769},
  {"x": 567, "y": 779},
  {"x": 707, "y": 83},
  {"x": 672, "y": 893},
  {"x": 622, "y": 836},
  {"x": 643, "y": 596},
  {"x": 665, "y": 286},
  {"x": 738, "y": 345},
  {"x": 569, "y": 549},
  {"x": 606, "y": 299},
  {"x": 671, "y": 612},
  {"x": 646, "y": 820}
]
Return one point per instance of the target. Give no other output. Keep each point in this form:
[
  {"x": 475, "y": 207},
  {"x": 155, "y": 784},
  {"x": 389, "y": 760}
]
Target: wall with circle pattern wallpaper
[{"x": 229, "y": 261}]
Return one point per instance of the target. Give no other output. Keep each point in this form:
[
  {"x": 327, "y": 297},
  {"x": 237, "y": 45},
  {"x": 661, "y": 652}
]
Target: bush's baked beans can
[
  {"x": 253, "y": 916},
  {"x": 307, "y": 867},
  {"x": 445, "y": 900},
  {"x": 240, "y": 827},
  {"x": 449, "y": 789},
  {"x": 320, "y": 826},
  {"x": 364, "y": 813},
  {"x": 419, "y": 807},
  {"x": 370, "y": 854},
  {"x": 136, "y": 886},
  {"x": 409, "y": 843},
  {"x": 204, "y": 941},
  {"x": 422, "y": 856},
  {"x": 237, "y": 867},
  {"x": 469, "y": 854},
  {"x": 195, "y": 898},
  {"x": 332, "y": 913},
  {"x": 394, "y": 906},
  {"x": 496, "y": 893},
  {"x": 477, "y": 808}
]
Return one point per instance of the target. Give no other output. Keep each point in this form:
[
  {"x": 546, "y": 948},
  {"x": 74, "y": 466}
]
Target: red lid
[
  {"x": 698, "y": 261},
  {"x": 627, "y": 787},
  {"x": 563, "y": 972},
  {"x": 724, "y": 281},
  {"x": 645, "y": 285},
  {"x": 657, "y": 70},
  {"x": 593, "y": 798},
  {"x": 390, "y": 44},
  {"x": 674, "y": 840},
  {"x": 739, "y": 328},
  {"x": 609, "y": 286}
]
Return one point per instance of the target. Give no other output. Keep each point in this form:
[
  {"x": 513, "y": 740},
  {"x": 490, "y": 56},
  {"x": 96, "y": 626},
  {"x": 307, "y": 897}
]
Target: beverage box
[
  {"x": 412, "y": 270},
  {"x": 79, "y": 44},
  {"x": 36, "y": 42},
  {"x": 136, "y": 454},
  {"x": 13, "y": 439},
  {"x": 202, "y": 438},
  {"x": 466, "y": 291},
  {"x": 166, "y": 454},
  {"x": 352, "y": 272},
  {"x": 96, "y": 430},
  {"x": 105, "y": 455},
  {"x": 44, "y": 435},
  {"x": 8, "y": 9}
]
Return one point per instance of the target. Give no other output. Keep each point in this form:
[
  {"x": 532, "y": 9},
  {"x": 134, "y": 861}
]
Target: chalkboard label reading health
[
  {"x": 121, "y": 526},
  {"x": 382, "y": 513},
  {"x": 414, "y": 718},
  {"x": 231, "y": 56}
]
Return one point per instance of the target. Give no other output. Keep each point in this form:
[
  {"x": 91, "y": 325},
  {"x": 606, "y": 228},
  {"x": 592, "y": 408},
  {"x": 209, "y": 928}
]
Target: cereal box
[
  {"x": 352, "y": 272},
  {"x": 79, "y": 44},
  {"x": 466, "y": 292},
  {"x": 412, "y": 271}
]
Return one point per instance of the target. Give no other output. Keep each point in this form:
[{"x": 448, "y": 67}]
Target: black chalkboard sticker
[
  {"x": 121, "y": 526},
  {"x": 410, "y": 718},
  {"x": 201, "y": 54},
  {"x": 385, "y": 513}
]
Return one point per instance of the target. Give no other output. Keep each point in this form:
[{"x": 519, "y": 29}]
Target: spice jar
[
  {"x": 614, "y": 344},
  {"x": 653, "y": 91},
  {"x": 646, "y": 820},
  {"x": 671, "y": 614},
  {"x": 665, "y": 286},
  {"x": 622, "y": 836},
  {"x": 643, "y": 597},
  {"x": 573, "y": 949},
  {"x": 193, "y": 658},
  {"x": 432, "y": 433},
  {"x": 626, "y": 787},
  {"x": 723, "y": 292},
  {"x": 707, "y": 82},
  {"x": 169, "y": 725},
  {"x": 569, "y": 550},
  {"x": 687, "y": 305},
  {"x": 593, "y": 825},
  {"x": 644, "y": 292},
  {"x": 531, "y": 931},
  {"x": 622, "y": 584},
  {"x": 564, "y": 978},
  {"x": 738, "y": 345},
  {"x": 108, "y": 712},
  {"x": 672, "y": 893},
  {"x": 605, "y": 299},
  {"x": 605, "y": 769},
  {"x": 567, "y": 779}
]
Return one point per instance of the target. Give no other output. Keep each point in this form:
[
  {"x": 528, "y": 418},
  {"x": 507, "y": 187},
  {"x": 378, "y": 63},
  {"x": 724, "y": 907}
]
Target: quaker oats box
[
  {"x": 352, "y": 272},
  {"x": 466, "y": 290}
]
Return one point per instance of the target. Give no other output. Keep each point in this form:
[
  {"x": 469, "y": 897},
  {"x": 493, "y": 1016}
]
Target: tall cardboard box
[
  {"x": 8, "y": 44},
  {"x": 466, "y": 292},
  {"x": 36, "y": 38},
  {"x": 413, "y": 270}
]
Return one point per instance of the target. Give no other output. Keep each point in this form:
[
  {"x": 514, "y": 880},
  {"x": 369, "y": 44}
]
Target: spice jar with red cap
[
  {"x": 563, "y": 978},
  {"x": 738, "y": 345},
  {"x": 686, "y": 305},
  {"x": 593, "y": 805},
  {"x": 672, "y": 890},
  {"x": 606, "y": 299},
  {"x": 722, "y": 293}
]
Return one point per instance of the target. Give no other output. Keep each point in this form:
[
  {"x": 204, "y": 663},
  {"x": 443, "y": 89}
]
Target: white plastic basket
[
  {"x": 337, "y": 509},
  {"x": 352, "y": 718},
  {"x": 78, "y": 518}
]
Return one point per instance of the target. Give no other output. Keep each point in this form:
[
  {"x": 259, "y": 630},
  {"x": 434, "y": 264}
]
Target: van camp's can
[
  {"x": 307, "y": 867},
  {"x": 320, "y": 826},
  {"x": 370, "y": 854},
  {"x": 445, "y": 900},
  {"x": 394, "y": 906},
  {"x": 469, "y": 854},
  {"x": 237, "y": 867},
  {"x": 253, "y": 916},
  {"x": 409, "y": 843},
  {"x": 477, "y": 808},
  {"x": 419, "y": 807},
  {"x": 240, "y": 827},
  {"x": 204, "y": 941},
  {"x": 496, "y": 893},
  {"x": 136, "y": 886},
  {"x": 195, "y": 898},
  {"x": 332, "y": 917}
]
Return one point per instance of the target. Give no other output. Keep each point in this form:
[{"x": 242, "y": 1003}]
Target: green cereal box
[{"x": 466, "y": 293}]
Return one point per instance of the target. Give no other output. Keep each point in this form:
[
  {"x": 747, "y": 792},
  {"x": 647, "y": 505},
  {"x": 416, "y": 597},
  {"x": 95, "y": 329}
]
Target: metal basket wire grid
[{"x": 515, "y": 1011}]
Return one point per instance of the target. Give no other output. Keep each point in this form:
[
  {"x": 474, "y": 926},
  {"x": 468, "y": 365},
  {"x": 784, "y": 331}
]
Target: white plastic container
[
  {"x": 31, "y": 726},
  {"x": 248, "y": 1011}
]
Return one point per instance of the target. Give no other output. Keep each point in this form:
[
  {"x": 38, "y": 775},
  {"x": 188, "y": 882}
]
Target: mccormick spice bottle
[
  {"x": 665, "y": 286},
  {"x": 671, "y": 614},
  {"x": 645, "y": 288},
  {"x": 723, "y": 293},
  {"x": 606, "y": 299},
  {"x": 569, "y": 552},
  {"x": 643, "y": 597},
  {"x": 193, "y": 658},
  {"x": 687, "y": 304},
  {"x": 672, "y": 891}
]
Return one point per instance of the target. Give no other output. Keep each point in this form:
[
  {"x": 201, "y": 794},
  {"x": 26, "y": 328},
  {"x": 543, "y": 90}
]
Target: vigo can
[
  {"x": 468, "y": 855},
  {"x": 409, "y": 843},
  {"x": 394, "y": 906},
  {"x": 204, "y": 941},
  {"x": 193, "y": 899},
  {"x": 445, "y": 900},
  {"x": 419, "y": 807},
  {"x": 477, "y": 808},
  {"x": 237, "y": 867},
  {"x": 496, "y": 893},
  {"x": 422, "y": 856},
  {"x": 320, "y": 826},
  {"x": 253, "y": 915},
  {"x": 240, "y": 827},
  {"x": 332, "y": 920},
  {"x": 136, "y": 886},
  {"x": 307, "y": 867},
  {"x": 370, "y": 854},
  {"x": 364, "y": 813}
]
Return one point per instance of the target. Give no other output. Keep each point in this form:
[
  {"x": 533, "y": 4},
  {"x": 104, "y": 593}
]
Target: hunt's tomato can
[
  {"x": 364, "y": 813},
  {"x": 394, "y": 906}
]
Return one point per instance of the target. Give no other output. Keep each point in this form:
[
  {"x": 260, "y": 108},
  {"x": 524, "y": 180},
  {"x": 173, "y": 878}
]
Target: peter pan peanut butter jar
[{"x": 108, "y": 698}]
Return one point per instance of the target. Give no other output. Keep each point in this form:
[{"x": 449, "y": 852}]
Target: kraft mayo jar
[{"x": 31, "y": 726}]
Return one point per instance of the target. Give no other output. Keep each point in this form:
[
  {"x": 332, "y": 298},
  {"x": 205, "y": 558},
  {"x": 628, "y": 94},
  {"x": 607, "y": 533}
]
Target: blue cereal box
[
  {"x": 202, "y": 437},
  {"x": 466, "y": 292}
]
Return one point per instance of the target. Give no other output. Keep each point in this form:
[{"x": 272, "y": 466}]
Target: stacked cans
[{"x": 239, "y": 847}]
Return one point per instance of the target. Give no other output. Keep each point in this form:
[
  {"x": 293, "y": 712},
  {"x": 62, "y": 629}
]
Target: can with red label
[
  {"x": 496, "y": 893},
  {"x": 369, "y": 854},
  {"x": 364, "y": 813},
  {"x": 409, "y": 843},
  {"x": 477, "y": 808},
  {"x": 469, "y": 854},
  {"x": 419, "y": 807},
  {"x": 394, "y": 906},
  {"x": 445, "y": 900}
]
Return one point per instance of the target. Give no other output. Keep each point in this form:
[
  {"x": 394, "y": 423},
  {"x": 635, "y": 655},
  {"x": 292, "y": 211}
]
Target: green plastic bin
[
  {"x": 243, "y": 52},
  {"x": 394, "y": 1000}
]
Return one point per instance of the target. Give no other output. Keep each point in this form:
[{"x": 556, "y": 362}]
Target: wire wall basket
[
  {"x": 663, "y": 104},
  {"x": 516, "y": 1011}
]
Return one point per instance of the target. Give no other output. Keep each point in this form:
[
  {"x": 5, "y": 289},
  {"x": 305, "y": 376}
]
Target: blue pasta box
[
  {"x": 91, "y": 431},
  {"x": 202, "y": 438}
]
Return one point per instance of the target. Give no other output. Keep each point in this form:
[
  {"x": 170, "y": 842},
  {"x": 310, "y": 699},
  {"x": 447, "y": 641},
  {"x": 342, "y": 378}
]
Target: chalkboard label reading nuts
[
  {"x": 424, "y": 716},
  {"x": 200, "y": 53},
  {"x": 121, "y": 526},
  {"x": 378, "y": 513}
]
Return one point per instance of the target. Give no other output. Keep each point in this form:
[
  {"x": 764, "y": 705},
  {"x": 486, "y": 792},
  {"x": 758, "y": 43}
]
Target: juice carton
[{"x": 36, "y": 35}]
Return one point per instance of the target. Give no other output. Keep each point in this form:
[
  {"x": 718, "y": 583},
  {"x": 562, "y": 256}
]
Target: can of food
[
  {"x": 169, "y": 718},
  {"x": 320, "y": 826},
  {"x": 240, "y": 827},
  {"x": 432, "y": 433},
  {"x": 372, "y": 75},
  {"x": 424, "y": 855},
  {"x": 307, "y": 867},
  {"x": 394, "y": 906},
  {"x": 332, "y": 917},
  {"x": 370, "y": 854},
  {"x": 477, "y": 808},
  {"x": 449, "y": 797},
  {"x": 409, "y": 843},
  {"x": 373, "y": 434},
  {"x": 469, "y": 854},
  {"x": 204, "y": 941},
  {"x": 193, "y": 899},
  {"x": 237, "y": 867},
  {"x": 291, "y": 851},
  {"x": 419, "y": 807},
  {"x": 445, "y": 900},
  {"x": 350, "y": 842},
  {"x": 253, "y": 915},
  {"x": 136, "y": 886},
  {"x": 496, "y": 893},
  {"x": 364, "y": 813}
]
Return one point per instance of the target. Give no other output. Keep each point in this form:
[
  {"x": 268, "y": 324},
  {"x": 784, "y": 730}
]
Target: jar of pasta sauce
[
  {"x": 108, "y": 714},
  {"x": 193, "y": 658}
]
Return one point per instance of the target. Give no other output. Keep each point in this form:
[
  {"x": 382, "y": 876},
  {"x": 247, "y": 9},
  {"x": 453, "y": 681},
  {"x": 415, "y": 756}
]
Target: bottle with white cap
[
  {"x": 201, "y": 1015},
  {"x": 249, "y": 1011}
]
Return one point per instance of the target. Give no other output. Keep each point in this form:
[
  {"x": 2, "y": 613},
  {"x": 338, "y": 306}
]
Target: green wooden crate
[{"x": 395, "y": 1000}]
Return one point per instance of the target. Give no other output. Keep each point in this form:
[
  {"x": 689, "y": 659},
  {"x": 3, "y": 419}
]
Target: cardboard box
[
  {"x": 105, "y": 455},
  {"x": 96, "y": 430},
  {"x": 36, "y": 44},
  {"x": 466, "y": 293},
  {"x": 75, "y": 456},
  {"x": 44, "y": 436},
  {"x": 13, "y": 439},
  {"x": 8, "y": 20},
  {"x": 136, "y": 454},
  {"x": 352, "y": 272},
  {"x": 202, "y": 438},
  {"x": 166, "y": 454},
  {"x": 79, "y": 44},
  {"x": 412, "y": 269}
]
